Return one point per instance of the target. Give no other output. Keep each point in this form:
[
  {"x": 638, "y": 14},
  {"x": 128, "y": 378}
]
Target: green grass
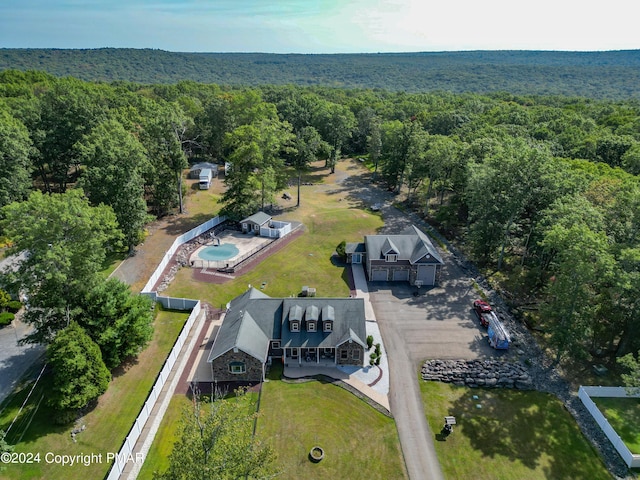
[
  {"x": 106, "y": 425},
  {"x": 514, "y": 435},
  {"x": 623, "y": 415},
  {"x": 359, "y": 442},
  {"x": 329, "y": 217},
  {"x": 158, "y": 457}
]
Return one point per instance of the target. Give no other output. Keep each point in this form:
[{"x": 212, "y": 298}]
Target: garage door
[
  {"x": 401, "y": 275},
  {"x": 427, "y": 273},
  {"x": 380, "y": 275}
]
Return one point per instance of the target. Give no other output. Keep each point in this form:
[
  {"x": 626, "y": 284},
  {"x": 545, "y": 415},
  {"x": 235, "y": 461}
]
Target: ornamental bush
[{"x": 6, "y": 318}]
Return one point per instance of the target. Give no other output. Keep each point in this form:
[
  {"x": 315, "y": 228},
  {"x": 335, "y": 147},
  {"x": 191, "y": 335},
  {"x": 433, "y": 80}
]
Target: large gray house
[
  {"x": 407, "y": 257},
  {"x": 298, "y": 331}
]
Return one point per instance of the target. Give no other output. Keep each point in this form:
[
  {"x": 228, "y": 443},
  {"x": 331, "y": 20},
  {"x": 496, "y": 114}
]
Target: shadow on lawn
[
  {"x": 525, "y": 427},
  {"x": 36, "y": 419}
]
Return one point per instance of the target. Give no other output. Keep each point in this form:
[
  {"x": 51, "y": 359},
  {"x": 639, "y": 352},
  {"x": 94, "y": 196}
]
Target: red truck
[
  {"x": 484, "y": 312},
  {"x": 498, "y": 335}
]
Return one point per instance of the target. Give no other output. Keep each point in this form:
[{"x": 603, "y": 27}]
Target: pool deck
[{"x": 244, "y": 242}]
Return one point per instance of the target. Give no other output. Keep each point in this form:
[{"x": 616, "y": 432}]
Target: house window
[
  {"x": 311, "y": 326},
  {"x": 356, "y": 258},
  {"x": 275, "y": 344},
  {"x": 344, "y": 354},
  {"x": 328, "y": 326},
  {"x": 327, "y": 350},
  {"x": 355, "y": 354},
  {"x": 237, "y": 367},
  {"x": 391, "y": 257},
  {"x": 244, "y": 227},
  {"x": 295, "y": 327},
  {"x": 256, "y": 227},
  {"x": 294, "y": 353}
]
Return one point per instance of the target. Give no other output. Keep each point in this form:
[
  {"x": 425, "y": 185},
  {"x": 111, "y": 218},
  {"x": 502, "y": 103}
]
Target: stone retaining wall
[{"x": 478, "y": 373}]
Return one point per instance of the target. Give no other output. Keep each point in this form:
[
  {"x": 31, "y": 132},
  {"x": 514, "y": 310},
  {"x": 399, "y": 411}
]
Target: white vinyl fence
[
  {"x": 184, "y": 238},
  {"x": 125, "y": 454},
  {"x": 585, "y": 393},
  {"x": 275, "y": 229}
]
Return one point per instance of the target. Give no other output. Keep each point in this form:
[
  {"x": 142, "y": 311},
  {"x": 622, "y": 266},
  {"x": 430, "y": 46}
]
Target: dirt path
[{"x": 137, "y": 269}]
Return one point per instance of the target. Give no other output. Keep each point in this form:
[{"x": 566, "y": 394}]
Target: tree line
[
  {"x": 541, "y": 190},
  {"x": 612, "y": 74}
]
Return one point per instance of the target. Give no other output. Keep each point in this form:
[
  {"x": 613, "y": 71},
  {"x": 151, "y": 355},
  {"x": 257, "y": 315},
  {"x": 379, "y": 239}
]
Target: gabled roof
[
  {"x": 412, "y": 245},
  {"x": 389, "y": 247},
  {"x": 253, "y": 319},
  {"x": 351, "y": 336},
  {"x": 260, "y": 218},
  {"x": 249, "y": 326}
]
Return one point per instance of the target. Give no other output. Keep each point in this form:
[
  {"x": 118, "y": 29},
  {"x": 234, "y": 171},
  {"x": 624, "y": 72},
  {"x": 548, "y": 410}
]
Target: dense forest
[
  {"x": 541, "y": 191},
  {"x": 613, "y": 74}
]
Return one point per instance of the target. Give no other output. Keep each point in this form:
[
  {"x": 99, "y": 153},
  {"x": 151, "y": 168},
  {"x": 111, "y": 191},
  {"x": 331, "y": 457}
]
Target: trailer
[
  {"x": 498, "y": 335},
  {"x": 205, "y": 178}
]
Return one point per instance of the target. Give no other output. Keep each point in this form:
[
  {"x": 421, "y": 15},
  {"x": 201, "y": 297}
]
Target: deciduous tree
[
  {"x": 15, "y": 161},
  {"x": 65, "y": 241},
  {"x": 216, "y": 443}
]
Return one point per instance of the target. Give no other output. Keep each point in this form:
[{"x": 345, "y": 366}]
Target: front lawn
[
  {"x": 358, "y": 441},
  {"x": 508, "y": 434},
  {"x": 106, "y": 425},
  {"x": 623, "y": 415}
]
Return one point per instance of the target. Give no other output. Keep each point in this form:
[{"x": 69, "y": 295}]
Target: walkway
[{"x": 301, "y": 372}]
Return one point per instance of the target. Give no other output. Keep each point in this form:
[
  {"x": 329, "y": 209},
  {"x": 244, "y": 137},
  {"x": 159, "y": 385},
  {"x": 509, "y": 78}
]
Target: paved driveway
[
  {"x": 434, "y": 322},
  {"x": 15, "y": 359}
]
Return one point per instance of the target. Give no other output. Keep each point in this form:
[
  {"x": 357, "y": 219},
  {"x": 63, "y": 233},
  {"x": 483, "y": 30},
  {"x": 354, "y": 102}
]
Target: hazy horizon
[{"x": 318, "y": 26}]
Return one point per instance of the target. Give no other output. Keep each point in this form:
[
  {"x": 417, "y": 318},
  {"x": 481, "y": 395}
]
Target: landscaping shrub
[
  {"x": 369, "y": 342},
  {"x": 341, "y": 250},
  {"x": 13, "y": 306},
  {"x": 6, "y": 318}
]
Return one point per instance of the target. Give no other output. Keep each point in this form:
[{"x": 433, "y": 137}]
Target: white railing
[{"x": 585, "y": 393}]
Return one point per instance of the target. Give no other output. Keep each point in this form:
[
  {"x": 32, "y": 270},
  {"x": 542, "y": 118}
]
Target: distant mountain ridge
[{"x": 609, "y": 74}]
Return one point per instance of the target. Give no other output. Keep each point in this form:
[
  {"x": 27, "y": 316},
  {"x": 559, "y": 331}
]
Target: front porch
[{"x": 310, "y": 357}]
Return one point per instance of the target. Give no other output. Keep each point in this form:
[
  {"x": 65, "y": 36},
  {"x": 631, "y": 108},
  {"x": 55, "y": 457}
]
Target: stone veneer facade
[
  {"x": 221, "y": 368},
  {"x": 350, "y": 348}
]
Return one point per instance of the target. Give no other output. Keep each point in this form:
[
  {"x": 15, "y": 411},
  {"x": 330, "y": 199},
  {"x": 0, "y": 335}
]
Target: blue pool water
[{"x": 224, "y": 251}]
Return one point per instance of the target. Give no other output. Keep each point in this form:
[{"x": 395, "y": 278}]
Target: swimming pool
[{"x": 224, "y": 251}]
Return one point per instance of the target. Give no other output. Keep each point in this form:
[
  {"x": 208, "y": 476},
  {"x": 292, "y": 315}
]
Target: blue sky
[{"x": 320, "y": 26}]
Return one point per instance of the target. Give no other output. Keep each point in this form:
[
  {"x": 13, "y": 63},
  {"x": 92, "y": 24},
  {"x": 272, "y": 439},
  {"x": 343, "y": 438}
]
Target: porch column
[{"x": 317, "y": 355}]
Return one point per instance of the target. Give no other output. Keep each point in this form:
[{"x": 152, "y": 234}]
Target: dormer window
[
  {"x": 328, "y": 317},
  {"x": 295, "y": 318},
  {"x": 391, "y": 257},
  {"x": 311, "y": 316}
]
